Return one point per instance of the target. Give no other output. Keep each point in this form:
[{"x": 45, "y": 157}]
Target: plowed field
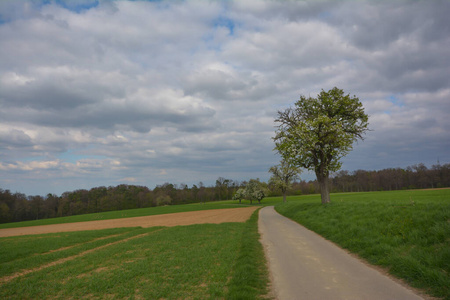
[{"x": 214, "y": 216}]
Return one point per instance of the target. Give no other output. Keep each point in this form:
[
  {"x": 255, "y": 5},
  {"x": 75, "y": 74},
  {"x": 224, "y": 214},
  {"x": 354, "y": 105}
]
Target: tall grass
[{"x": 408, "y": 232}]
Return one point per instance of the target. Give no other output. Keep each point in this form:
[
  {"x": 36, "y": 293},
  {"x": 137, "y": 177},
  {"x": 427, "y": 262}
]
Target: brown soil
[{"x": 214, "y": 216}]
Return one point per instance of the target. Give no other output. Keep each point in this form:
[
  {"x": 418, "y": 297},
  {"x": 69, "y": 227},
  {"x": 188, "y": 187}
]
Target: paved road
[{"x": 306, "y": 266}]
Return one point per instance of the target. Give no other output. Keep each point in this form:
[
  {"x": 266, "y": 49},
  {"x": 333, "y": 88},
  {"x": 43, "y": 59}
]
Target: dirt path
[
  {"x": 214, "y": 216},
  {"x": 306, "y": 266}
]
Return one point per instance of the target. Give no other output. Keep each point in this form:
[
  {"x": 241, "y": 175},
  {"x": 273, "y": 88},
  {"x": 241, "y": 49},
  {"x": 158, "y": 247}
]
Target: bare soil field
[{"x": 214, "y": 216}]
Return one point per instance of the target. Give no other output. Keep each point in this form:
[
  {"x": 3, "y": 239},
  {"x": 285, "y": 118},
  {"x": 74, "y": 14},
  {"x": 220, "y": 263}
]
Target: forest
[{"x": 15, "y": 207}]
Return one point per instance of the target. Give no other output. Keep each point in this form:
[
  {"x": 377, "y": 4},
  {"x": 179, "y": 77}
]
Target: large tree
[
  {"x": 317, "y": 132},
  {"x": 283, "y": 175}
]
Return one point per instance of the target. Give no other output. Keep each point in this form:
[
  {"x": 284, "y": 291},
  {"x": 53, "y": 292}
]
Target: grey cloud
[
  {"x": 410, "y": 66},
  {"x": 127, "y": 89},
  {"x": 218, "y": 85},
  {"x": 12, "y": 10},
  {"x": 110, "y": 118},
  {"x": 255, "y": 13},
  {"x": 14, "y": 138},
  {"x": 213, "y": 83},
  {"x": 46, "y": 96},
  {"x": 401, "y": 41},
  {"x": 374, "y": 26}
]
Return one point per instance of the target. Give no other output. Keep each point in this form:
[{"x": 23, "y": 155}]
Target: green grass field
[
  {"x": 407, "y": 232},
  {"x": 182, "y": 262}
]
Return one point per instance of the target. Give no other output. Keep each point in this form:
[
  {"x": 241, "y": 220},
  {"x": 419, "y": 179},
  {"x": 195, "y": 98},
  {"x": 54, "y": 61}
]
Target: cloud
[
  {"x": 14, "y": 138},
  {"x": 95, "y": 93}
]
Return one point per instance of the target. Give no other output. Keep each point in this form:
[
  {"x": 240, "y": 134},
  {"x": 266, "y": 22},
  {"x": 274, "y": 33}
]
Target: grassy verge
[
  {"x": 206, "y": 261},
  {"x": 250, "y": 274},
  {"x": 408, "y": 232}
]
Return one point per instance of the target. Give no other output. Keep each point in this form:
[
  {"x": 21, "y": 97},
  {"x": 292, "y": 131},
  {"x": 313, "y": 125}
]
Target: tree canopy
[
  {"x": 253, "y": 190},
  {"x": 317, "y": 132},
  {"x": 283, "y": 175}
]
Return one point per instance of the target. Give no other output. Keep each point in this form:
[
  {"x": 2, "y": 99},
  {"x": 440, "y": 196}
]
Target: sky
[{"x": 101, "y": 93}]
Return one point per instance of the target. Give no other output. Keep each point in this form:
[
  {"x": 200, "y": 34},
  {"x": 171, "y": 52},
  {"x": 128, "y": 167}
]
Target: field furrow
[
  {"x": 29, "y": 260},
  {"x": 195, "y": 261},
  {"x": 63, "y": 260}
]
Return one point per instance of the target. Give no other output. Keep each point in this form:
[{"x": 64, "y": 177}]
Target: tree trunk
[
  {"x": 284, "y": 197},
  {"x": 324, "y": 189}
]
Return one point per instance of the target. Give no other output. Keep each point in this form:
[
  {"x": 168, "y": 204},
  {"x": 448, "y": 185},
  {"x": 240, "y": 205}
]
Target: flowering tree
[
  {"x": 283, "y": 175},
  {"x": 239, "y": 195},
  {"x": 254, "y": 190},
  {"x": 317, "y": 132}
]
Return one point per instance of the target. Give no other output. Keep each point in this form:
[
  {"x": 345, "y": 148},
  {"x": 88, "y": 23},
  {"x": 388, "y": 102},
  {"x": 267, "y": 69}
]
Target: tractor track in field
[
  {"x": 8, "y": 278},
  {"x": 78, "y": 244},
  {"x": 215, "y": 216}
]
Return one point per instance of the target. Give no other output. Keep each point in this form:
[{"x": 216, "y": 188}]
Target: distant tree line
[
  {"x": 16, "y": 207},
  {"x": 413, "y": 177}
]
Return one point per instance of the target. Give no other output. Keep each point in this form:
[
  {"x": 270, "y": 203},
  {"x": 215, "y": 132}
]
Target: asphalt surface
[{"x": 304, "y": 265}]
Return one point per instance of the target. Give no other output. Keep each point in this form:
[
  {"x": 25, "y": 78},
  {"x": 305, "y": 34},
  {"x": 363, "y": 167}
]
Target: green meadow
[
  {"x": 405, "y": 232},
  {"x": 208, "y": 261}
]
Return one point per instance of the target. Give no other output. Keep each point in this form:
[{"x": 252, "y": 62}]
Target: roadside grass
[
  {"x": 250, "y": 274},
  {"x": 130, "y": 213},
  {"x": 407, "y": 232},
  {"x": 183, "y": 262}
]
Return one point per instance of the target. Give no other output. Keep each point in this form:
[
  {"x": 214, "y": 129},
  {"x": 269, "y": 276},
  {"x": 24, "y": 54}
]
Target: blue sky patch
[
  {"x": 396, "y": 101},
  {"x": 225, "y": 22},
  {"x": 72, "y": 157},
  {"x": 78, "y": 6}
]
